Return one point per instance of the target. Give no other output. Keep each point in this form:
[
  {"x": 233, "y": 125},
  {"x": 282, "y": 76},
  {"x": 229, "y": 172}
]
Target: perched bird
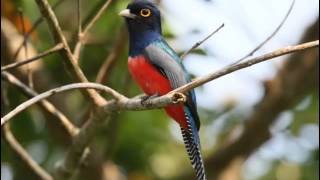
[{"x": 158, "y": 70}]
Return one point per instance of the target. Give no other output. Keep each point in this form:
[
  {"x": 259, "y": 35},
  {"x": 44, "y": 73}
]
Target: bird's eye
[{"x": 145, "y": 12}]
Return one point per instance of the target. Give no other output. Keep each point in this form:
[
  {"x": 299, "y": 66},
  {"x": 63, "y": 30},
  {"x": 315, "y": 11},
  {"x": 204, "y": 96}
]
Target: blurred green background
[{"x": 144, "y": 145}]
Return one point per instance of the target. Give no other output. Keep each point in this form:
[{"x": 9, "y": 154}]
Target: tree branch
[
  {"x": 32, "y": 29},
  {"x": 49, "y": 93},
  {"x": 56, "y": 48},
  {"x": 201, "y": 42},
  {"x": 82, "y": 35},
  {"x": 269, "y": 37},
  {"x": 46, "y": 105},
  {"x": 118, "y": 47},
  {"x": 229, "y": 69},
  {"x": 23, "y": 154},
  {"x": 164, "y": 100},
  {"x": 196, "y": 83},
  {"x": 96, "y": 17},
  {"x": 121, "y": 102},
  {"x": 66, "y": 53}
]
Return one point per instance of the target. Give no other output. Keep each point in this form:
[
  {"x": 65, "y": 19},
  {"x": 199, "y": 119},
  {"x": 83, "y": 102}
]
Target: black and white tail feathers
[{"x": 192, "y": 144}]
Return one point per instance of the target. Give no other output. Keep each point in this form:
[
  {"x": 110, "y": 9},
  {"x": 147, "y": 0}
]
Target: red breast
[{"x": 151, "y": 81}]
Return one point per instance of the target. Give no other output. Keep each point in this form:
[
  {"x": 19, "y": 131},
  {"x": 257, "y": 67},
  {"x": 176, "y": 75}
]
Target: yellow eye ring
[{"x": 145, "y": 12}]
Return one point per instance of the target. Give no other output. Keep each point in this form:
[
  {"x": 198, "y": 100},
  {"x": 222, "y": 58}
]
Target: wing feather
[{"x": 168, "y": 62}]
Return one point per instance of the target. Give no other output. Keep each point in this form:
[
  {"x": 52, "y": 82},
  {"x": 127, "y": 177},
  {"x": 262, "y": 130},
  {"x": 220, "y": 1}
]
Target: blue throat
[{"x": 140, "y": 40}]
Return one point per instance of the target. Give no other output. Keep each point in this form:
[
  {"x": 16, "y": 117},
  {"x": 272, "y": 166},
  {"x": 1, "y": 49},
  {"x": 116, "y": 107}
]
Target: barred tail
[{"x": 192, "y": 144}]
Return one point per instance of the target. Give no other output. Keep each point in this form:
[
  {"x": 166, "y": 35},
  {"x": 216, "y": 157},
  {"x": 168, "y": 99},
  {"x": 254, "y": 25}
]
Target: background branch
[
  {"x": 54, "y": 49},
  {"x": 49, "y": 93},
  {"x": 32, "y": 29},
  {"x": 118, "y": 47},
  {"x": 82, "y": 35},
  {"x": 196, "y": 45},
  {"x": 23, "y": 154},
  {"x": 71, "y": 63},
  {"x": 46, "y": 105},
  {"x": 269, "y": 37}
]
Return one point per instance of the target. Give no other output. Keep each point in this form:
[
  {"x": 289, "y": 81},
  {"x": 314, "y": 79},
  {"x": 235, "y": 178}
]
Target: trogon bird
[{"x": 158, "y": 70}]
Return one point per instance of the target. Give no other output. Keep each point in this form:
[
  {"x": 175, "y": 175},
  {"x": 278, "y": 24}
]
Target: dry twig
[
  {"x": 70, "y": 61},
  {"x": 23, "y": 154},
  {"x": 32, "y": 29},
  {"x": 269, "y": 37},
  {"x": 82, "y": 34},
  {"x": 229, "y": 69},
  {"x": 54, "y": 49},
  {"x": 49, "y": 93},
  {"x": 196, "y": 45},
  {"x": 65, "y": 122},
  {"x": 118, "y": 47}
]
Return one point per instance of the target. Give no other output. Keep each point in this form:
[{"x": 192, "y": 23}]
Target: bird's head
[
  {"x": 142, "y": 15},
  {"x": 144, "y": 23}
]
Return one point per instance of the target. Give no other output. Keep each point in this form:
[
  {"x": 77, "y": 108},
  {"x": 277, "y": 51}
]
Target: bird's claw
[{"x": 179, "y": 98}]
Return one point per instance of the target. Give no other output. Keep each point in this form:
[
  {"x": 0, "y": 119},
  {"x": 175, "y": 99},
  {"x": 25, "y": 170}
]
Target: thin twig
[
  {"x": 49, "y": 93},
  {"x": 67, "y": 55},
  {"x": 32, "y": 29},
  {"x": 196, "y": 45},
  {"x": 50, "y": 108},
  {"x": 77, "y": 49},
  {"x": 96, "y": 17},
  {"x": 119, "y": 46},
  {"x": 84, "y": 33},
  {"x": 56, "y": 48},
  {"x": 79, "y": 18},
  {"x": 23, "y": 154},
  {"x": 269, "y": 37},
  {"x": 25, "y": 45},
  {"x": 229, "y": 69}
]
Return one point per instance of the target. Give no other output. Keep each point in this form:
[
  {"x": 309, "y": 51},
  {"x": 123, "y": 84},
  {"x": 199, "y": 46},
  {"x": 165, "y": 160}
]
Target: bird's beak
[{"x": 127, "y": 14}]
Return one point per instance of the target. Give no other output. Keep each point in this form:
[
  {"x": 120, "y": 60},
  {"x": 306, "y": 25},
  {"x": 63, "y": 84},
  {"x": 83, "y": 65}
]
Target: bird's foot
[{"x": 179, "y": 98}]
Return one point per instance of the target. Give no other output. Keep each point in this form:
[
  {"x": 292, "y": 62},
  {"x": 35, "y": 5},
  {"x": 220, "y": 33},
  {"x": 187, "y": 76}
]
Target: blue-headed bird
[{"x": 157, "y": 69}]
